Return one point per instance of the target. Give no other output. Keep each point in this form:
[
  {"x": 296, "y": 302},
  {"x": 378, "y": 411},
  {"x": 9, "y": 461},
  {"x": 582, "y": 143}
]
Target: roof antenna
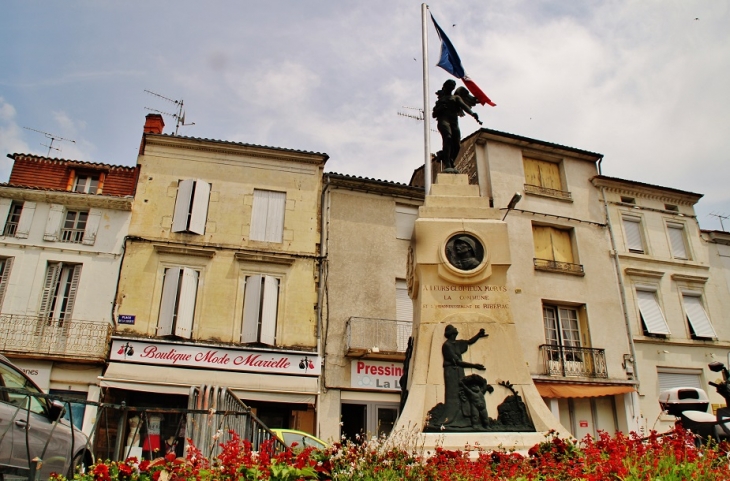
[
  {"x": 720, "y": 217},
  {"x": 53, "y": 138},
  {"x": 179, "y": 116}
]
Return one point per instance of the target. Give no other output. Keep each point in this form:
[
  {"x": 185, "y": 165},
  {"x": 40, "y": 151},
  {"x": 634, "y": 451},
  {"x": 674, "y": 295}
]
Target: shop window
[
  {"x": 267, "y": 217},
  {"x": 260, "y": 309},
  {"x": 59, "y": 291},
  {"x": 677, "y": 241},
  {"x": 405, "y": 220},
  {"x": 73, "y": 226},
  {"x": 652, "y": 317},
  {"x": 86, "y": 183},
  {"x": 403, "y": 314},
  {"x": 554, "y": 250},
  {"x": 544, "y": 178},
  {"x": 191, "y": 206},
  {"x": 177, "y": 305},
  {"x": 699, "y": 323},
  {"x": 6, "y": 265},
  {"x": 634, "y": 234}
]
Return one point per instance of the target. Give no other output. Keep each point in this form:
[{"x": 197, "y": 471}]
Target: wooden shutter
[
  {"x": 199, "y": 210},
  {"x": 275, "y": 217},
  {"x": 632, "y": 229},
  {"x": 269, "y": 310},
  {"x": 49, "y": 289},
  {"x": 651, "y": 312},
  {"x": 26, "y": 219},
  {"x": 4, "y": 211},
  {"x": 75, "y": 278},
  {"x": 562, "y": 246},
  {"x": 259, "y": 213},
  {"x": 532, "y": 171},
  {"x": 251, "y": 309},
  {"x": 7, "y": 266},
  {"x": 182, "y": 205},
  {"x": 697, "y": 317},
  {"x": 543, "y": 242},
  {"x": 676, "y": 241},
  {"x": 168, "y": 301},
  {"x": 550, "y": 175},
  {"x": 92, "y": 227},
  {"x": 53, "y": 224},
  {"x": 186, "y": 303},
  {"x": 405, "y": 220}
]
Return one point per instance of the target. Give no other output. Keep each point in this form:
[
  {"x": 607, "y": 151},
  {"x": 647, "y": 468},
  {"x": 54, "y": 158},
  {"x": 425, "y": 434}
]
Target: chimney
[{"x": 153, "y": 124}]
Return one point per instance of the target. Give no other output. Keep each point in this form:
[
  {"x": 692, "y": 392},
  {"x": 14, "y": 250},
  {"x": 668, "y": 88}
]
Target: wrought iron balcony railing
[
  {"x": 66, "y": 339},
  {"x": 573, "y": 361},
  {"x": 557, "y": 266},
  {"x": 75, "y": 236},
  {"x": 539, "y": 190},
  {"x": 368, "y": 335}
]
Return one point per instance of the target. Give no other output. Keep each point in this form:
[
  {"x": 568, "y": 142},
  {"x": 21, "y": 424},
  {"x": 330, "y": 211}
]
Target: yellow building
[{"x": 218, "y": 280}]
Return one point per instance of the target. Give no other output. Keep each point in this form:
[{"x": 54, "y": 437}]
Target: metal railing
[
  {"x": 10, "y": 229},
  {"x": 570, "y": 361},
  {"x": 68, "y": 338},
  {"x": 75, "y": 236},
  {"x": 557, "y": 266},
  {"x": 539, "y": 190},
  {"x": 223, "y": 413},
  {"x": 385, "y": 335}
]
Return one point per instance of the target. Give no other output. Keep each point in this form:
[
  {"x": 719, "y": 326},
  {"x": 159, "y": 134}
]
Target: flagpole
[{"x": 426, "y": 129}]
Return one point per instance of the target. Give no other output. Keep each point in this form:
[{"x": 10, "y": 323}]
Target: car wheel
[{"x": 80, "y": 464}]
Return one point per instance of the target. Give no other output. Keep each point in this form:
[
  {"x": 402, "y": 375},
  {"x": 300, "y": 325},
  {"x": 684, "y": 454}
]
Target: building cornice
[
  {"x": 69, "y": 199},
  {"x": 375, "y": 186},
  {"x": 640, "y": 189}
]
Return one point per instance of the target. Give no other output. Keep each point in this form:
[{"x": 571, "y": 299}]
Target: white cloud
[{"x": 10, "y": 138}]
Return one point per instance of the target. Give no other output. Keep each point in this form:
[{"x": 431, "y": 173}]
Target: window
[
  {"x": 74, "y": 226},
  {"x": 677, "y": 241},
  {"x": 628, "y": 200},
  {"x": 672, "y": 378},
  {"x": 671, "y": 207},
  {"x": 260, "y": 309},
  {"x": 177, "y": 305},
  {"x": 6, "y": 265},
  {"x": 13, "y": 379},
  {"x": 405, "y": 219},
  {"x": 554, "y": 250},
  {"x": 652, "y": 317},
  {"x": 403, "y": 314},
  {"x": 59, "y": 291},
  {"x": 11, "y": 226},
  {"x": 86, "y": 183},
  {"x": 191, "y": 206},
  {"x": 543, "y": 177},
  {"x": 697, "y": 318},
  {"x": 267, "y": 217},
  {"x": 634, "y": 237},
  {"x": 16, "y": 217},
  {"x": 562, "y": 336}
]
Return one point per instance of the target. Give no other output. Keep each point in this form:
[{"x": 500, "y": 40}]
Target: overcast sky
[{"x": 646, "y": 83}]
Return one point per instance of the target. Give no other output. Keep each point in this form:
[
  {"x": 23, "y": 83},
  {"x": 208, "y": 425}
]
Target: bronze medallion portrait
[{"x": 465, "y": 252}]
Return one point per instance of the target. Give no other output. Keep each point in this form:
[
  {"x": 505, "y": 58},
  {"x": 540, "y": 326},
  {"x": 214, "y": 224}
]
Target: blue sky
[{"x": 643, "y": 82}]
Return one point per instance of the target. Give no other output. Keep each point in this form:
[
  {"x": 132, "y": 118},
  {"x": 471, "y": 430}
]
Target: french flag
[{"x": 451, "y": 62}]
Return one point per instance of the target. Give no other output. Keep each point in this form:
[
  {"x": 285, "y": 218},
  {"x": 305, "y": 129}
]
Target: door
[{"x": 385, "y": 417}]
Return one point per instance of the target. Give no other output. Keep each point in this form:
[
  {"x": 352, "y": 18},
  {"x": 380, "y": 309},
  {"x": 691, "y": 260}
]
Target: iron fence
[
  {"x": 557, "y": 266},
  {"x": 378, "y": 335},
  {"x": 566, "y": 361}
]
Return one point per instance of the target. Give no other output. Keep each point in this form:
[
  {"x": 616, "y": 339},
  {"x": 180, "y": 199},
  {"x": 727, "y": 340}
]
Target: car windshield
[
  {"x": 13, "y": 379},
  {"x": 301, "y": 439}
]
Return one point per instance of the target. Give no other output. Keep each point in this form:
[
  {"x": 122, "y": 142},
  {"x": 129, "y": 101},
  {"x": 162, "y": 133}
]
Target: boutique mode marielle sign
[{"x": 210, "y": 357}]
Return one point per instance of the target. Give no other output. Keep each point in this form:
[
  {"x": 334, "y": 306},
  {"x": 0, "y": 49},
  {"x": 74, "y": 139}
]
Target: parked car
[
  {"x": 31, "y": 426},
  {"x": 302, "y": 439}
]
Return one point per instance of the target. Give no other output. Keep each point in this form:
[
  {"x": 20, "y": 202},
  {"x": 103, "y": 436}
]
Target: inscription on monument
[{"x": 479, "y": 297}]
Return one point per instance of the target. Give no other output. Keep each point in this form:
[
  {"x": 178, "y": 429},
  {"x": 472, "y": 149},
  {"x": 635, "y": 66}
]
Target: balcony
[
  {"x": 546, "y": 192},
  {"x": 370, "y": 338},
  {"x": 570, "y": 361},
  {"x": 557, "y": 266},
  {"x": 53, "y": 338}
]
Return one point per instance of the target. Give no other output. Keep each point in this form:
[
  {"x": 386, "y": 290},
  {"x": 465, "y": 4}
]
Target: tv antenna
[
  {"x": 179, "y": 116},
  {"x": 419, "y": 116},
  {"x": 53, "y": 138},
  {"x": 720, "y": 218}
]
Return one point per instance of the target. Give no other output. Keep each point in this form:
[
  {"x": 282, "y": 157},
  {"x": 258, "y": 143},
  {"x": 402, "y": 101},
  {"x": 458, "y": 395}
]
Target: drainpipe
[{"x": 324, "y": 236}]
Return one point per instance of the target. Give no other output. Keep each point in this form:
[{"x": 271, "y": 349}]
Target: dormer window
[{"x": 86, "y": 183}]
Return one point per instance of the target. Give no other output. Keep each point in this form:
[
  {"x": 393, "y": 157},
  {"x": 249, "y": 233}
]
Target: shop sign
[
  {"x": 208, "y": 357},
  {"x": 38, "y": 371},
  {"x": 376, "y": 375}
]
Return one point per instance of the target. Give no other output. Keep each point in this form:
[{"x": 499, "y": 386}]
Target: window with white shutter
[
  {"x": 6, "y": 265},
  {"x": 403, "y": 314},
  {"x": 25, "y": 220},
  {"x": 59, "y": 291},
  {"x": 267, "y": 215},
  {"x": 652, "y": 317},
  {"x": 634, "y": 237},
  {"x": 677, "y": 241},
  {"x": 191, "y": 206},
  {"x": 177, "y": 304},
  {"x": 699, "y": 322},
  {"x": 11, "y": 216},
  {"x": 260, "y": 309}
]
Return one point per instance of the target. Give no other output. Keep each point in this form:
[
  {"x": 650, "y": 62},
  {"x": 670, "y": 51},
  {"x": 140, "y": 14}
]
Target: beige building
[
  {"x": 218, "y": 281},
  {"x": 675, "y": 282}
]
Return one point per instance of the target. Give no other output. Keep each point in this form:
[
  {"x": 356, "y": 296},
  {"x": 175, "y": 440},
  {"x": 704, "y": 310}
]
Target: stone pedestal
[{"x": 457, "y": 275}]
